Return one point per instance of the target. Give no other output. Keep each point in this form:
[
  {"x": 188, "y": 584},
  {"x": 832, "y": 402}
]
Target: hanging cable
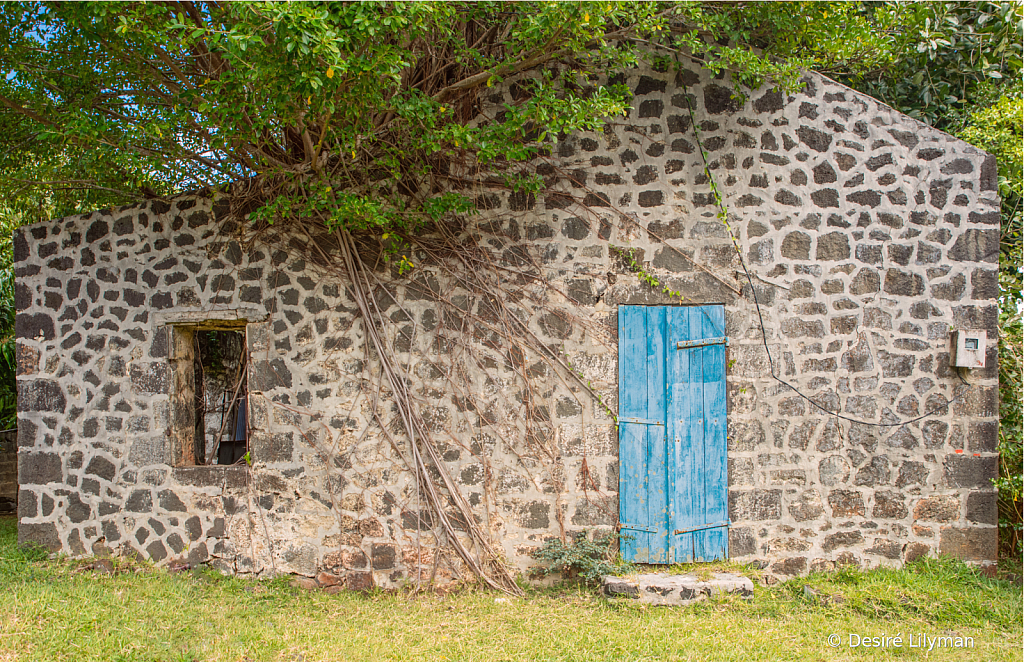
[{"x": 723, "y": 214}]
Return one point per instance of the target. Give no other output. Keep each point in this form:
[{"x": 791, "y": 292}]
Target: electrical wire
[{"x": 760, "y": 318}]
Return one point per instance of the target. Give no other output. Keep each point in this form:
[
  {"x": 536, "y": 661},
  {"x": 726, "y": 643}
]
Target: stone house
[{"x": 186, "y": 393}]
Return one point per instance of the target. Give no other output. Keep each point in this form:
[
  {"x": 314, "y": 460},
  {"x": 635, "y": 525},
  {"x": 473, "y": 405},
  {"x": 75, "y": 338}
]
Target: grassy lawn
[{"x": 56, "y": 610}]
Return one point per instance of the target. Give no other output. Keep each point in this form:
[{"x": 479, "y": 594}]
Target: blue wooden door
[{"x": 673, "y": 489}]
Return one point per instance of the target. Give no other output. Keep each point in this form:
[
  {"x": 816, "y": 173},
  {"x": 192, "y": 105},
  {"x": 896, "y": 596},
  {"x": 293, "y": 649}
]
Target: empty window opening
[
  {"x": 219, "y": 362},
  {"x": 210, "y": 413}
]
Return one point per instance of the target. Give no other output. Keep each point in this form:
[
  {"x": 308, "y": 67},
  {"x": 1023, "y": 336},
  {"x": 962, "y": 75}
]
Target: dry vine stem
[
  {"x": 507, "y": 285},
  {"x": 504, "y": 293},
  {"x": 499, "y": 577}
]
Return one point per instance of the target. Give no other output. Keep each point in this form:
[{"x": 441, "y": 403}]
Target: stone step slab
[{"x": 680, "y": 590}]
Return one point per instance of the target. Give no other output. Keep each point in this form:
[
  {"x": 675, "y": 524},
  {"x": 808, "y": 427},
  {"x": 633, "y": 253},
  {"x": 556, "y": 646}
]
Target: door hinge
[
  {"x": 640, "y": 421},
  {"x": 703, "y": 342},
  {"x": 702, "y": 527},
  {"x": 637, "y": 527}
]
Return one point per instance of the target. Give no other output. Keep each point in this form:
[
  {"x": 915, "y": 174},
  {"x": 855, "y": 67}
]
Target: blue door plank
[
  {"x": 632, "y": 362},
  {"x": 673, "y": 440},
  {"x": 695, "y": 423},
  {"x": 657, "y": 465},
  {"x": 717, "y": 439},
  {"x": 683, "y": 494},
  {"x": 712, "y": 543},
  {"x": 635, "y": 543},
  {"x": 633, "y": 442}
]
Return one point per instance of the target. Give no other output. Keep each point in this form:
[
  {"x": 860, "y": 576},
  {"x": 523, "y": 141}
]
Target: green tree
[
  {"x": 134, "y": 100},
  {"x": 8, "y": 363},
  {"x": 960, "y": 71}
]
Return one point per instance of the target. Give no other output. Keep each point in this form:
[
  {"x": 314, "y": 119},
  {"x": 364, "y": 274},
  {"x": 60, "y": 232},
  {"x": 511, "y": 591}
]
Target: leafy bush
[
  {"x": 1011, "y": 445},
  {"x": 8, "y": 363},
  {"x": 582, "y": 558}
]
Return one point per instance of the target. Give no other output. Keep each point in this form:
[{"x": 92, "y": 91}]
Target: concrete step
[{"x": 666, "y": 589}]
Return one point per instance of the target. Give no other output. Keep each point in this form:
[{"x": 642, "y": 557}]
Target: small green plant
[
  {"x": 645, "y": 276},
  {"x": 582, "y": 558},
  {"x": 393, "y": 246}
]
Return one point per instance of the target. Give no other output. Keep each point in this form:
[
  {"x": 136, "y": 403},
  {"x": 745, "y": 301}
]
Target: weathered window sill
[{"x": 215, "y": 475}]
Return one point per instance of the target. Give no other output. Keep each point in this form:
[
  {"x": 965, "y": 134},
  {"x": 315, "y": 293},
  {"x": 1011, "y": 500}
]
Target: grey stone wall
[{"x": 868, "y": 235}]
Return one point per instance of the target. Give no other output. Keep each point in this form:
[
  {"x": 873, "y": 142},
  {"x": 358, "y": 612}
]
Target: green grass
[{"x": 57, "y": 610}]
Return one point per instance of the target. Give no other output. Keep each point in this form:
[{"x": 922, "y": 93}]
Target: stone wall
[{"x": 867, "y": 234}]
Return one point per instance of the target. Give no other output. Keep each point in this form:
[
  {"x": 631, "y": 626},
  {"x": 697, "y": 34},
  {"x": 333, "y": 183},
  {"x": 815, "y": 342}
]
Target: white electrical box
[{"x": 967, "y": 349}]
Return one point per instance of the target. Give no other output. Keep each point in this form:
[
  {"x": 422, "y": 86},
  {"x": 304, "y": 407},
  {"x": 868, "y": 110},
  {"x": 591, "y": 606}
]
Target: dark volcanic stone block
[
  {"x": 276, "y": 447},
  {"x": 161, "y": 300},
  {"x": 271, "y": 374},
  {"x": 846, "y": 503},
  {"x": 156, "y": 551},
  {"x": 957, "y": 167},
  {"x": 796, "y": 246},
  {"x": 901, "y": 283},
  {"x": 153, "y": 377},
  {"x": 678, "y": 123},
  {"x": 651, "y": 108},
  {"x": 890, "y": 549},
  {"x": 755, "y": 505},
  {"x": 40, "y": 395},
  {"x": 975, "y": 246},
  {"x": 97, "y": 231},
  {"x": 819, "y": 141},
  {"x": 28, "y": 504},
  {"x": 33, "y": 326},
  {"x": 825, "y": 198},
  {"x": 866, "y": 281},
  {"x": 383, "y": 556},
  {"x": 168, "y": 500},
  {"x": 972, "y": 544},
  {"x": 867, "y": 198},
  {"x": 598, "y": 511},
  {"x": 989, "y": 174},
  {"x": 844, "y": 539},
  {"x": 650, "y": 198},
  {"x": 875, "y": 473},
  {"x": 648, "y": 85},
  {"x": 140, "y": 501},
  {"x": 101, "y": 467},
  {"x": 771, "y": 101},
  {"x": 833, "y": 246},
  {"x": 889, "y": 505},
  {"x": 742, "y": 542},
  {"x": 789, "y": 198},
  {"x": 21, "y": 248},
  {"x": 790, "y": 566},
  {"x": 76, "y": 510},
  {"x": 230, "y": 477},
  {"x": 969, "y": 471},
  {"x": 42, "y": 535},
  {"x": 718, "y": 100},
  {"x": 981, "y": 508},
  {"x": 824, "y": 173},
  {"x": 876, "y": 162}
]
